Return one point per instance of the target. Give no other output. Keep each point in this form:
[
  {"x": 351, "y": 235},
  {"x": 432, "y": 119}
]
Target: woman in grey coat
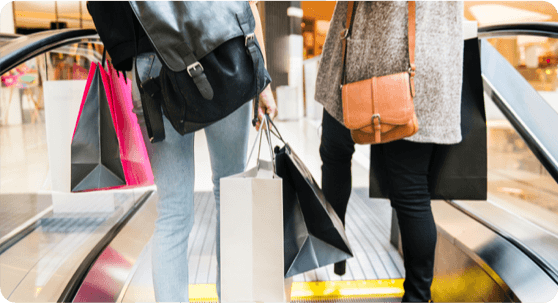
[{"x": 378, "y": 46}]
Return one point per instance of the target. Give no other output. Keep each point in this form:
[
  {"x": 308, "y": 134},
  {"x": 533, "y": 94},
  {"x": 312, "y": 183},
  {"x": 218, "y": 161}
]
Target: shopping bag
[
  {"x": 314, "y": 235},
  {"x": 251, "y": 236},
  {"x": 457, "y": 171},
  {"x": 95, "y": 153},
  {"x": 134, "y": 156}
]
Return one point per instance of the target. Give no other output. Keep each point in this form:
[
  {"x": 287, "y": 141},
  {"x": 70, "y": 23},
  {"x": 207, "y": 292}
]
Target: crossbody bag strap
[
  {"x": 343, "y": 35},
  {"x": 252, "y": 50},
  {"x": 153, "y": 117},
  {"x": 350, "y": 12},
  {"x": 411, "y": 43}
]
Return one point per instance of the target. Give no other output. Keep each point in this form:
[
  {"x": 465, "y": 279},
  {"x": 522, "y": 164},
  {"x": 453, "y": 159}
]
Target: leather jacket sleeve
[{"x": 116, "y": 32}]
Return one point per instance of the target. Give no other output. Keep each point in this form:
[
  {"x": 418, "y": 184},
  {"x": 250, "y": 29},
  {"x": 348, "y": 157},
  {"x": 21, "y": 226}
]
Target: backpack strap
[
  {"x": 252, "y": 50},
  {"x": 196, "y": 71},
  {"x": 150, "y": 87}
]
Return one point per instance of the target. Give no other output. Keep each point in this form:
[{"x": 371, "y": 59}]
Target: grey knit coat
[{"x": 378, "y": 46}]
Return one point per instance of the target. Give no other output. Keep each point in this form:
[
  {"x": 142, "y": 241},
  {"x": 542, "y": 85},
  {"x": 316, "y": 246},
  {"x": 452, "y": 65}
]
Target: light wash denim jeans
[{"x": 173, "y": 167}]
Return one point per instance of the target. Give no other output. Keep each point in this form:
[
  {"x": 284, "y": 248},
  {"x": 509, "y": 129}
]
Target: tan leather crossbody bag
[{"x": 380, "y": 109}]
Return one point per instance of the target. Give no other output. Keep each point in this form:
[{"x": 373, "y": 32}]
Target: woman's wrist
[{"x": 266, "y": 94}]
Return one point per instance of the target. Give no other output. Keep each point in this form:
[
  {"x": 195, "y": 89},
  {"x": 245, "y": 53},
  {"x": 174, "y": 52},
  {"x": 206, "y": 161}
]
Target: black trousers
[{"x": 408, "y": 165}]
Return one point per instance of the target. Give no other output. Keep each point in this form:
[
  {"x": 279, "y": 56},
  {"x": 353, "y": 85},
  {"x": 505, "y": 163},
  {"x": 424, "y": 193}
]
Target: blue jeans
[{"x": 173, "y": 167}]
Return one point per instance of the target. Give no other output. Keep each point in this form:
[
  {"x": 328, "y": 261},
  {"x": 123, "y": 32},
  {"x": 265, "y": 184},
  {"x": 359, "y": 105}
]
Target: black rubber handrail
[
  {"x": 543, "y": 29},
  {"x": 548, "y": 161},
  {"x": 80, "y": 274},
  {"x": 26, "y": 47}
]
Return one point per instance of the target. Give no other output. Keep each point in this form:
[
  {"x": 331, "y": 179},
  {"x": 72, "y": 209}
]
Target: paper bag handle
[{"x": 266, "y": 120}]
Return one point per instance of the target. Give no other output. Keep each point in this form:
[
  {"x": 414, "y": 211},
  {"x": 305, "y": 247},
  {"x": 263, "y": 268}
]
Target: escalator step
[{"x": 361, "y": 291}]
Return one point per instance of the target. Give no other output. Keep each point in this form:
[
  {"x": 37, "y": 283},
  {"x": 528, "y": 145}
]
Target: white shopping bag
[{"x": 252, "y": 237}]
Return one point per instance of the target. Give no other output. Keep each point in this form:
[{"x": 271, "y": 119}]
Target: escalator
[{"x": 485, "y": 252}]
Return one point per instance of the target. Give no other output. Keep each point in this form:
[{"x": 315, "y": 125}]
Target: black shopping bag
[
  {"x": 95, "y": 154},
  {"x": 457, "y": 171},
  {"x": 313, "y": 234}
]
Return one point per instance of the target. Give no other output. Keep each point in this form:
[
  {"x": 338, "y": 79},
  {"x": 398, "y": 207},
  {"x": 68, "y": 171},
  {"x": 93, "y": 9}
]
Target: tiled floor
[{"x": 23, "y": 158}]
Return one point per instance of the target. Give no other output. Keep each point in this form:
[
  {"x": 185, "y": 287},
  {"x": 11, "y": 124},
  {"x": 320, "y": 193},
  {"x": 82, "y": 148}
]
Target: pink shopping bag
[
  {"x": 134, "y": 155},
  {"x": 108, "y": 150}
]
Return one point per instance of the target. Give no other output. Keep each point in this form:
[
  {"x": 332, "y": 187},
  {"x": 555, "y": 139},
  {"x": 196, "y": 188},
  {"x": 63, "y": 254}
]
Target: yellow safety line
[{"x": 319, "y": 291}]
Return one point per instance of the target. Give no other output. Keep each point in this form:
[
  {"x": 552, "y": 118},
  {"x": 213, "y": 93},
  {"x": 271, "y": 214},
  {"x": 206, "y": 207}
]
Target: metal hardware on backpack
[{"x": 210, "y": 66}]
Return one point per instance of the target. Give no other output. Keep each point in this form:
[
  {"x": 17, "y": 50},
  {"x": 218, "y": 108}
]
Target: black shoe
[{"x": 340, "y": 268}]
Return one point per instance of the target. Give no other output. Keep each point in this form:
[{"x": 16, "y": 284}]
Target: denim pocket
[{"x": 144, "y": 64}]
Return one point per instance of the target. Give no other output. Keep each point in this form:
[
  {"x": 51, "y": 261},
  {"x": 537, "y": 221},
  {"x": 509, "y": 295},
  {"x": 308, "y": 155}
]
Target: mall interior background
[{"x": 295, "y": 32}]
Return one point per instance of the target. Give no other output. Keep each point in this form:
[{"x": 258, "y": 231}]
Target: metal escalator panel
[{"x": 533, "y": 118}]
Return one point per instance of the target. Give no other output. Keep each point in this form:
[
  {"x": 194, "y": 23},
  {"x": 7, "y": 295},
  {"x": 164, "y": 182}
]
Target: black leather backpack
[{"x": 211, "y": 63}]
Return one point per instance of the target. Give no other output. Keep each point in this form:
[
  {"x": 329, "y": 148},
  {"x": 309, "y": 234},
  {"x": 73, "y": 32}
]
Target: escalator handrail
[
  {"x": 546, "y": 29},
  {"x": 26, "y": 47},
  {"x": 534, "y": 144},
  {"x": 541, "y": 29},
  {"x": 549, "y": 269},
  {"x": 537, "y": 146},
  {"x": 81, "y": 272}
]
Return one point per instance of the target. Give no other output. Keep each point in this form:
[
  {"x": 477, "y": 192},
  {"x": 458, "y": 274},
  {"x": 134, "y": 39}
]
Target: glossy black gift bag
[
  {"x": 313, "y": 234},
  {"x": 95, "y": 154},
  {"x": 457, "y": 171}
]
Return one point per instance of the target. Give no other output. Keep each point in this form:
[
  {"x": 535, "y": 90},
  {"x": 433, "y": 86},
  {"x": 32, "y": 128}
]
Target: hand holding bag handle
[{"x": 259, "y": 139}]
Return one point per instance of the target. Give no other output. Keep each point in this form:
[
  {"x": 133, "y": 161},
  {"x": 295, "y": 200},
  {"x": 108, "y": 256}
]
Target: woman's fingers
[
  {"x": 260, "y": 118},
  {"x": 272, "y": 111}
]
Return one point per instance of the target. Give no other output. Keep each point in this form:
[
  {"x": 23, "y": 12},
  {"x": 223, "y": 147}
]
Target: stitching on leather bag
[
  {"x": 346, "y": 102},
  {"x": 406, "y": 94}
]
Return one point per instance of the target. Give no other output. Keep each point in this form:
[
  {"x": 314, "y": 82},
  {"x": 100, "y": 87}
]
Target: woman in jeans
[
  {"x": 172, "y": 160},
  {"x": 173, "y": 167},
  {"x": 378, "y": 46}
]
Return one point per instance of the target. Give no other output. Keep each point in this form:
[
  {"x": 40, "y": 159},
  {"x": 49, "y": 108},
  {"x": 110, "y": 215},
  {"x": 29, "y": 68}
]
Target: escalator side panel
[
  {"x": 478, "y": 254},
  {"x": 534, "y": 119}
]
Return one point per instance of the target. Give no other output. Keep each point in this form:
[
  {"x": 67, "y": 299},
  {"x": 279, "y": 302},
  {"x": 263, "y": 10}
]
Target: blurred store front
[
  {"x": 295, "y": 32},
  {"x": 41, "y": 97}
]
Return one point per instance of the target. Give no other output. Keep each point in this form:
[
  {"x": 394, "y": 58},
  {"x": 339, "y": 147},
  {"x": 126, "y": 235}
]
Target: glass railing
[{"x": 522, "y": 110}]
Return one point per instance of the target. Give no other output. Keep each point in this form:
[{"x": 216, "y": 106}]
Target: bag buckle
[
  {"x": 249, "y": 37},
  {"x": 344, "y": 34},
  {"x": 411, "y": 74},
  {"x": 193, "y": 68},
  {"x": 374, "y": 116}
]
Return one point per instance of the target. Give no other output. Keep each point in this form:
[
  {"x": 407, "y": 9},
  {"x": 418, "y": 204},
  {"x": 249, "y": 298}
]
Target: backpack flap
[
  {"x": 212, "y": 63},
  {"x": 174, "y": 25}
]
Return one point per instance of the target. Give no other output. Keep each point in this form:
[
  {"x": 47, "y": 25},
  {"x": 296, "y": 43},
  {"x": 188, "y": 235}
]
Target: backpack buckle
[
  {"x": 249, "y": 37},
  {"x": 193, "y": 68}
]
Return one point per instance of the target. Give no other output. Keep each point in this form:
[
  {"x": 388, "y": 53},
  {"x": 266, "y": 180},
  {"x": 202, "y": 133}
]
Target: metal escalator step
[{"x": 361, "y": 291}]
